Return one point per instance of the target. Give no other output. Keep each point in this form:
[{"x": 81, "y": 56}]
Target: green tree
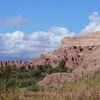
[
  {"x": 62, "y": 65},
  {"x": 5, "y": 75}
]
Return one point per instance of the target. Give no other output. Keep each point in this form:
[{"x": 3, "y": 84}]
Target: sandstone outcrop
[
  {"x": 88, "y": 39},
  {"x": 81, "y": 53},
  {"x": 74, "y": 50}
]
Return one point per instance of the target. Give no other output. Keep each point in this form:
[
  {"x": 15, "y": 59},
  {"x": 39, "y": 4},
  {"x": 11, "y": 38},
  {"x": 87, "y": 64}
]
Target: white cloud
[
  {"x": 36, "y": 42},
  {"x": 13, "y": 42},
  {"x": 17, "y": 20},
  {"x": 19, "y": 43},
  {"x": 94, "y": 23}
]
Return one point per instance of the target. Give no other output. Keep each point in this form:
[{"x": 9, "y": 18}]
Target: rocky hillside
[
  {"x": 81, "y": 53},
  {"x": 88, "y": 39},
  {"x": 77, "y": 51}
]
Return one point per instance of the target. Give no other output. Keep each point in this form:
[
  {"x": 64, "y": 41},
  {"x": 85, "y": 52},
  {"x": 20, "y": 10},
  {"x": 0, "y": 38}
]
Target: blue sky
[
  {"x": 46, "y": 19},
  {"x": 46, "y": 13}
]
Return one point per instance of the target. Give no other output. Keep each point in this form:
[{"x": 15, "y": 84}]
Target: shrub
[
  {"x": 68, "y": 70},
  {"x": 36, "y": 88},
  {"x": 26, "y": 82}
]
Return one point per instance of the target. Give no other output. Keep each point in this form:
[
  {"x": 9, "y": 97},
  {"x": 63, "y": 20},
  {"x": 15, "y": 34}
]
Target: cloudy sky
[{"x": 29, "y": 28}]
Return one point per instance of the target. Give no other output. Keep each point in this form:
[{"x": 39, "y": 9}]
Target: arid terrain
[{"x": 78, "y": 63}]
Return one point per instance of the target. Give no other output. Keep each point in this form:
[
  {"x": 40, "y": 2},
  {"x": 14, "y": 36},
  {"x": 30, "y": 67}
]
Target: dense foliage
[{"x": 21, "y": 78}]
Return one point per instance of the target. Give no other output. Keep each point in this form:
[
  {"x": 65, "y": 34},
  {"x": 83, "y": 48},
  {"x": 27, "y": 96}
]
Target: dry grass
[
  {"x": 83, "y": 95},
  {"x": 83, "y": 89}
]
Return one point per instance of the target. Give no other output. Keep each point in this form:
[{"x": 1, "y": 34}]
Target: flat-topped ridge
[{"x": 88, "y": 39}]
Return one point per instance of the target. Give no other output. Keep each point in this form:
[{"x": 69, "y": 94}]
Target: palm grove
[{"x": 13, "y": 79}]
